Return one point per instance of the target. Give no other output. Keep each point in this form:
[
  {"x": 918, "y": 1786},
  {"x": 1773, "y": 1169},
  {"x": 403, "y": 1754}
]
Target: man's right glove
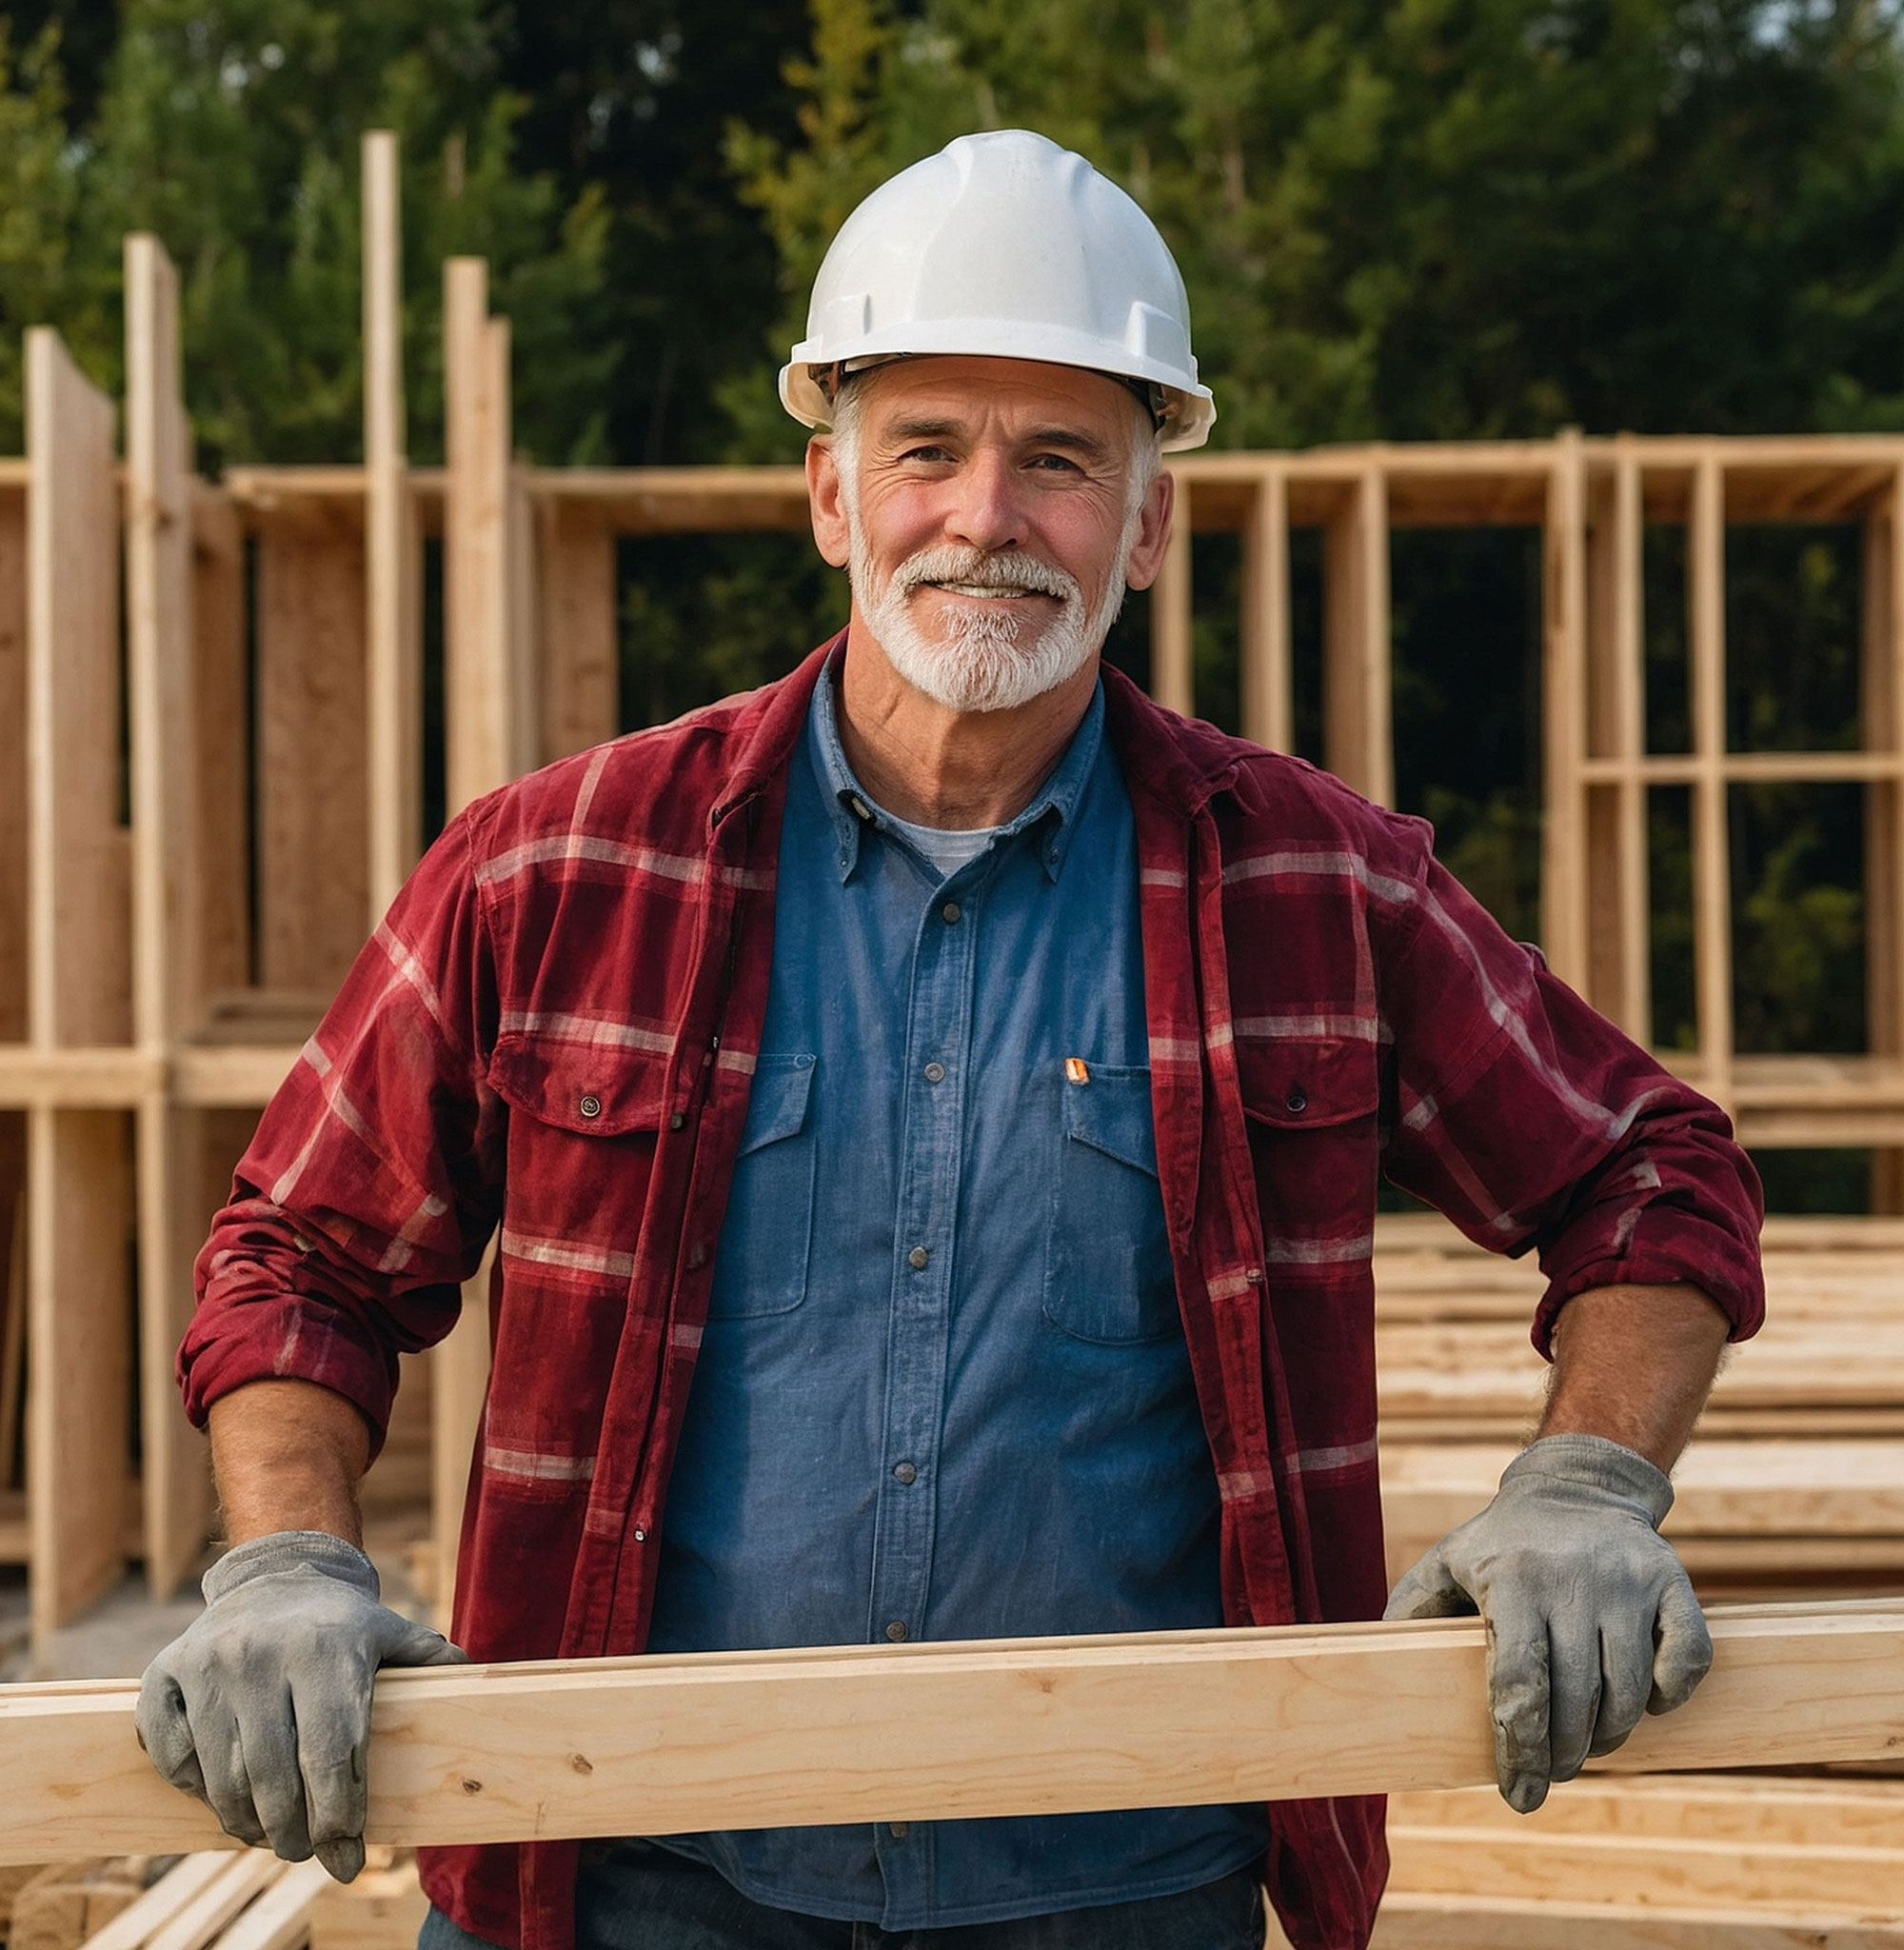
[{"x": 261, "y": 1708}]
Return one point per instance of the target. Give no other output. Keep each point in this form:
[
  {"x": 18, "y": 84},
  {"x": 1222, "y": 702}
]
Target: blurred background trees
[{"x": 1397, "y": 219}]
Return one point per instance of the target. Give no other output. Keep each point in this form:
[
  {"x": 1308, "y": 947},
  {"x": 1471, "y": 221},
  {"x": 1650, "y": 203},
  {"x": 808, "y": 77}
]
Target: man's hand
[
  {"x": 262, "y": 1707},
  {"x": 1591, "y": 1617}
]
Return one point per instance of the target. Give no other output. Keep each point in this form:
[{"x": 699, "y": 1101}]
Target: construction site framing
[{"x": 173, "y": 923}]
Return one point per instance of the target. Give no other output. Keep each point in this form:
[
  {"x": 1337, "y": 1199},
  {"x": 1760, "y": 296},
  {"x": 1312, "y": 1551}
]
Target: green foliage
[
  {"x": 37, "y": 272},
  {"x": 231, "y": 131}
]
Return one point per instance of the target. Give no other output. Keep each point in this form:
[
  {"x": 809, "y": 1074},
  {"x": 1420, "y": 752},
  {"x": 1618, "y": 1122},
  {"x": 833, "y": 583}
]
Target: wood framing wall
[{"x": 172, "y": 921}]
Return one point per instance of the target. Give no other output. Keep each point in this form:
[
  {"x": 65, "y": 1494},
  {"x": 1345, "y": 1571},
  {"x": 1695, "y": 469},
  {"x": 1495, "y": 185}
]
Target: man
[{"x": 972, "y": 1080}]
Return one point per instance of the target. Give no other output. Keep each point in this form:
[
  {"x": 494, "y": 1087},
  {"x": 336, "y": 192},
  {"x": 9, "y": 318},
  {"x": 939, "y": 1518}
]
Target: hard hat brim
[{"x": 1188, "y": 414}]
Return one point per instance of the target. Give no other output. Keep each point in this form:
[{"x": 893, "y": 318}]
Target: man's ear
[
  {"x": 826, "y": 502},
  {"x": 1153, "y": 534}
]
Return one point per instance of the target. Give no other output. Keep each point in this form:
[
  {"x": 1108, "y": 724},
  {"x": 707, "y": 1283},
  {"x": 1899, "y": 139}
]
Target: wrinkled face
[{"x": 993, "y": 513}]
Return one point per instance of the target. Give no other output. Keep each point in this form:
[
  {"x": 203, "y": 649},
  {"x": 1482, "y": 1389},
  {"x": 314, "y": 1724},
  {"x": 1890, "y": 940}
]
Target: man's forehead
[{"x": 945, "y": 392}]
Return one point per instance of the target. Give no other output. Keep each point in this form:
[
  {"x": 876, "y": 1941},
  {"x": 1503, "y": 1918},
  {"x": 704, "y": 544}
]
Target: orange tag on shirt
[{"x": 1075, "y": 1071}]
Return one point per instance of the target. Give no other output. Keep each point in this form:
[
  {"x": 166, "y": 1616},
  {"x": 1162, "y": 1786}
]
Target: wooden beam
[
  {"x": 491, "y": 726},
  {"x": 1881, "y": 729},
  {"x": 222, "y": 698},
  {"x": 12, "y": 763},
  {"x": 1712, "y": 886},
  {"x": 1268, "y": 701},
  {"x": 1173, "y": 678},
  {"x": 79, "y": 1327},
  {"x": 577, "y": 633},
  {"x": 167, "y": 936},
  {"x": 1563, "y": 852},
  {"x": 1357, "y": 737},
  {"x": 666, "y": 1745},
  {"x": 393, "y": 545}
]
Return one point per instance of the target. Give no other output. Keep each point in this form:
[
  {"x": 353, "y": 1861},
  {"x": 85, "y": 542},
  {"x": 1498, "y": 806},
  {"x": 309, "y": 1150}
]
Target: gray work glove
[
  {"x": 1591, "y": 1617},
  {"x": 262, "y": 1705}
]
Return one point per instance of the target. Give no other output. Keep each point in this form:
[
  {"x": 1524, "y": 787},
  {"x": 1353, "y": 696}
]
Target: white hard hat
[{"x": 1007, "y": 246}]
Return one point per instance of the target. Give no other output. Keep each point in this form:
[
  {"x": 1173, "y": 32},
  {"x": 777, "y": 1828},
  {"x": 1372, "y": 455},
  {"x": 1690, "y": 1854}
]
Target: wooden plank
[
  {"x": 1881, "y": 729},
  {"x": 80, "y": 1363},
  {"x": 1564, "y": 706},
  {"x": 281, "y": 1917},
  {"x": 1268, "y": 696},
  {"x": 459, "y": 1386},
  {"x": 393, "y": 545},
  {"x": 79, "y": 927},
  {"x": 79, "y": 991},
  {"x": 1712, "y": 888},
  {"x": 491, "y": 726},
  {"x": 222, "y": 686},
  {"x": 79, "y": 1079},
  {"x": 13, "y": 762},
  {"x": 167, "y": 938},
  {"x": 1172, "y": 680},
  {"x": 180, "y": 1885},
  {"x": 487, "y": 740},
  {"x": 1785, "y": 1810},
  {"x": 1357, "y": 739},
  {"x": 246, "y": 1875},
  {"x": 581, "y": 696},
  {"x": 1469, "y": 1862},
  {"x": 665, "y": 1745},
  {"x": 313, "y": 838},
  {"x": 381, "y": 1910},
  {"x": 1420, "y": 1921}
]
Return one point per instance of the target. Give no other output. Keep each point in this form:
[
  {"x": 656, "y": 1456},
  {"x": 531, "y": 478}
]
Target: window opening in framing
[
  {"x": 1797, "y": 919},
  {"x": 1466, "y": 610},
  {"x": 1794, "y": 604},
  {"x": 1666, "y": 635}
]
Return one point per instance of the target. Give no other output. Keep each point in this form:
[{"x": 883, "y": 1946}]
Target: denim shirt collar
[{"x": 850, "y": 806}]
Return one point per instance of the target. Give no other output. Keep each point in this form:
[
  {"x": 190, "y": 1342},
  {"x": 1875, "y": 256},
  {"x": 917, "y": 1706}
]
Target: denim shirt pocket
[
  {"x": 761, "y": 1265},
  {"x": 1107, "y": 1274}
]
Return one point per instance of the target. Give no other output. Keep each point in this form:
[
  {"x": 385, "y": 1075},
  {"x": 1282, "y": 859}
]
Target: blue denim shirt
[{"x": 943, "y": 1392}]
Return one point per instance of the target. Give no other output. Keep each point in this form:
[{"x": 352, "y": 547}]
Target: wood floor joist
[{"x": 933, "y": 1732}]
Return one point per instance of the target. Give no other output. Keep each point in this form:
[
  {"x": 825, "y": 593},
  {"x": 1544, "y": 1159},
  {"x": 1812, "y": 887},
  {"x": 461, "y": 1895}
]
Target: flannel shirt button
[
  {"x": 590, "y": 1106},
  {"x": 896, "y": 1631},
  {"x": 917, "y": 1258},
  {"x": 906, "y": 1472},
  {"x": 641, "y": 1535},
  {"x": 675, "y": 1123},
  {"x": 1295, "y": 1101}
]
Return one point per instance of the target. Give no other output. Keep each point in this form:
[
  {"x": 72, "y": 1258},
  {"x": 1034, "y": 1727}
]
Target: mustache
[{"x": 1009, "y": 568}]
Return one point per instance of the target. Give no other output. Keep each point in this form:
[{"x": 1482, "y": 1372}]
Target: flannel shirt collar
[{"x": 853, "y": 810}]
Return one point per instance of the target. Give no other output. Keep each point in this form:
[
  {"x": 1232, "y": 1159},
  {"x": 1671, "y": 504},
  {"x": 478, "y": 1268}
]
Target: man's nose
[{"x": 985, "y": 512}]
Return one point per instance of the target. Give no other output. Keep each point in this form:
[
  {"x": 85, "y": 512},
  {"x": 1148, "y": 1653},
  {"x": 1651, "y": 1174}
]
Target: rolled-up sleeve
[
  {"x": 374, "y": 1181},
  {"x": 1535, "y": 1124}
]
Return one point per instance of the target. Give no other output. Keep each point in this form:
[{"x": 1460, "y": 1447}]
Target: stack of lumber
[
  {"x": 1696, "y": 1862},
  {"x": 1795, "y": 1478},
  {"x": 217, "y": 1899}
]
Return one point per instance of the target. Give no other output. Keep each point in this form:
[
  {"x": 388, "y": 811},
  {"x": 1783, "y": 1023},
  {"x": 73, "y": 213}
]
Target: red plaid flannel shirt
[{"x": 554, "y": 1030}]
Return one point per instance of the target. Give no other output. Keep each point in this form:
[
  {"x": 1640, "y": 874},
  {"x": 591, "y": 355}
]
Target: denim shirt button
[
  {"x": 906, "y": 1472},
  {"x": 896, "y": 1631}
]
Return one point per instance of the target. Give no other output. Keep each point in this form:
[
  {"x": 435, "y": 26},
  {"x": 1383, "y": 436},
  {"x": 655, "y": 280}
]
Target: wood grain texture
[
  {"x": 1265, "y": 681},
  {"x": 1358, "y": 738},
  {"x": 854, "y": 1733},
  {"x": 580, "y": 680},
  {"x": 313, "y": 820}
]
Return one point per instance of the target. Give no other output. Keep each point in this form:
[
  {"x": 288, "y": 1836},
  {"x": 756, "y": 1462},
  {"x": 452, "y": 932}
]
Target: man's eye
[
  {"x": 936, "y": 455},
  {"x": 1054, "y": 464}
]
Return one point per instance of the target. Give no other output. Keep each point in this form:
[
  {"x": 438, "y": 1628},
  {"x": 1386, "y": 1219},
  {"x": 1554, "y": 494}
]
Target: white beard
[{"x": 979, "y": 665}]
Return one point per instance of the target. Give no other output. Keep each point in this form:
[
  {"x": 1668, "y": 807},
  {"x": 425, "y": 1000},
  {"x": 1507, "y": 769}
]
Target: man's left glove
[
  {"x": 262, "y": 1705},
  {"x": 1591, "y": 1617}
]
